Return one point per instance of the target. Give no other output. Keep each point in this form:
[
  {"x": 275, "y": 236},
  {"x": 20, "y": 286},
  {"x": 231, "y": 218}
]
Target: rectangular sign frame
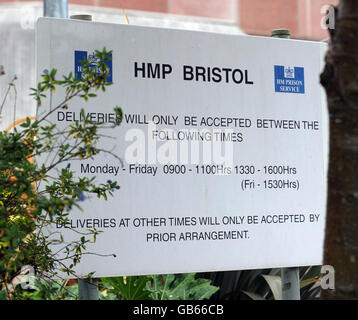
[{"x": 257, "y": 98}]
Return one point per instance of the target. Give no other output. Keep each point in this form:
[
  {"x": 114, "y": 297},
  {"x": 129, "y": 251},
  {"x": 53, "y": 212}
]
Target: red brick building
[{"x": 256, "y": 17}]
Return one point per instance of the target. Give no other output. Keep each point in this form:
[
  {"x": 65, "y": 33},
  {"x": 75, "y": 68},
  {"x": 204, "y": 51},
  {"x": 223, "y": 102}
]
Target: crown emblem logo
[
  {"x": 92, "y": 59},
  {"x": 289, "y": 73}
]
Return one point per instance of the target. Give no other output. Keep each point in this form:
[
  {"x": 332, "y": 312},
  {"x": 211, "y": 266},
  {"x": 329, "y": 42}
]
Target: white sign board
[{"x": 222, "y": 144}]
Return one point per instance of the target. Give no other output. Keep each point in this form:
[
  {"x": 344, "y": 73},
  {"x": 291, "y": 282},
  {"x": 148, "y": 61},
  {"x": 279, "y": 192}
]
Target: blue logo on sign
[
  {"x": 82, "y": 55},
  {"x": 289, "y": 79}
]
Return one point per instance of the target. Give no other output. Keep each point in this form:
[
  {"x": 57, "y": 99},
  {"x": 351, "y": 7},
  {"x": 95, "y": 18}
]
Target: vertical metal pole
[
  {"x": 290, "y": 277},
  {"x": 87, "y": 289},
  {"x": 56, "y": 8}
]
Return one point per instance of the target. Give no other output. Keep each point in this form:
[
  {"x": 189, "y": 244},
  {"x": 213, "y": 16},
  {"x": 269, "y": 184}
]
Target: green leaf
[
  {"x": 53, "y": 73},
  {"x": 253, "y": 296},
  {"x": 129, "y": 288},
  {"x": 275, "y": 285},
  {"x": 307, "y": 282},
  {"x": 3, "y": 295},
  {"x": 180, "y": 287}
]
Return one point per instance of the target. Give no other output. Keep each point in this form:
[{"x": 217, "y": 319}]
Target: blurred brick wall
[
  {"x": 302, "y": 17},
  {"x": 256, "y": 17}
]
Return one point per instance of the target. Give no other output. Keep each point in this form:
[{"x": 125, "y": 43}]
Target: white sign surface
[{"x": 222, "y": 147}]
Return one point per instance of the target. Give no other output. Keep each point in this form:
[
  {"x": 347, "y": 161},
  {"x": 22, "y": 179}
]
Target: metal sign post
[
  {"x": 87, "y": 289},
  {"x": 290, "y": 277},
  {"x": 56, "y": 8}
]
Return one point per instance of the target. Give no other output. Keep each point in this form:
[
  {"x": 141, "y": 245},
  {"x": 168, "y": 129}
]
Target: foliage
[
  {"x": 180, "y": 287},
  {"x": 157, "y": 287},
  {"x": 35, "y": 194},
  {"x": 265, "y": 284},
  {"x": 49, "y": 290},
  {"x": 125, "y": 288}
]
